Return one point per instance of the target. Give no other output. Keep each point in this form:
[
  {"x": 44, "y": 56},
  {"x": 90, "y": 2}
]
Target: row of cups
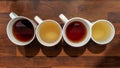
[{"x": 76, "y": 31}]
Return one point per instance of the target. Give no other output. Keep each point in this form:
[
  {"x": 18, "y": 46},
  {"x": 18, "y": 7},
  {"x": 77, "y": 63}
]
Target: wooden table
[{"x": 61, "y": 56}]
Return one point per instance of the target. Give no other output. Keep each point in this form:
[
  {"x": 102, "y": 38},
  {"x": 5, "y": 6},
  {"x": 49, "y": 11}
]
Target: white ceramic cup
[
  {"x": 14, "y": 17},
  {"x": 83, "y": 21},
  {"x": 40, "y": 22},
  {"x": 104, "y": 29}
]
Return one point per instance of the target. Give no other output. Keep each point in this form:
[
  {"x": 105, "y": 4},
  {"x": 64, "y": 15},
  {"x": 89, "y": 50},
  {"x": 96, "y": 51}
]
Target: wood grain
[{"x": 62, "y": 55}]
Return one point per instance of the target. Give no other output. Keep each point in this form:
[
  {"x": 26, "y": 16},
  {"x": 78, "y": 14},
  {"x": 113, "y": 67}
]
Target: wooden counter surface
[{"x": 61, "y": 56}]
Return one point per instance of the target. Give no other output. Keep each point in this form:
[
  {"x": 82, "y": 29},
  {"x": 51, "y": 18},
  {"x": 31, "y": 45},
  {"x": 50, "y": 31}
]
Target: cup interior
[
  {"x": 102, "y": 31},
  {"x": 46, "y": 32},
  {"x": 10, "y": 31},
  {"x": 86, "y": 38}
]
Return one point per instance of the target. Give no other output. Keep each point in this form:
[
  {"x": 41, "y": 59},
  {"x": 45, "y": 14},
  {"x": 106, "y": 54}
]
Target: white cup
[
  {"x": 103, "y": 31},
  {"x": 14, "y": 17},
  {"x": 43, "y": 42},
  {"x": 83, "y": 21}
]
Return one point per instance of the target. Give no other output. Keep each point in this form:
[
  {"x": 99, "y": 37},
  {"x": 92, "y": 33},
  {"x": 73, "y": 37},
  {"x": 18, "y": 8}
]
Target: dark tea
[
  {"x": 76, "y": 31},
  {"x": 23, "y": 30}
]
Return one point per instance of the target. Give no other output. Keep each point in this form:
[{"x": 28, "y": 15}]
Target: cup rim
[
  {"x": 43, "y": 42},
  {"x": 112, "y": 35},
  {"x": 88, "y": 35},
  {"x": 16, "y": 41}
]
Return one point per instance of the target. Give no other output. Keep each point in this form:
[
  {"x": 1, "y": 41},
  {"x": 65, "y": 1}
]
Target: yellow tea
[
  {"x": 49, "y": 31},
  {"x": 101, "y": 31}
]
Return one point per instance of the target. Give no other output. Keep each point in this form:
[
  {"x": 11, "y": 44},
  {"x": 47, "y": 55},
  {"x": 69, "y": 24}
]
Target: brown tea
[
  {"x": 23, "y": 30},
  {"x": 76, "y": 31}
]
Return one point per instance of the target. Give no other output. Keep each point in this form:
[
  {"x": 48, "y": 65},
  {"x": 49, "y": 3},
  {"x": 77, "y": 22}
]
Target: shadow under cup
[
  {"x": 20, "y": 30},
  {"x": 77, "y": 32},
  {"x": 102, "y": 31},
  {"x": 49, "y": 33}
]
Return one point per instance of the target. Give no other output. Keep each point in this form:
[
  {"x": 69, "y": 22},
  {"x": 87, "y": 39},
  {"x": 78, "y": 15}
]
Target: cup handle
[
  {"x": 13, "y": 15},
  {"x": 63, "y": 18},
  {"x": 38, "y": 19}
]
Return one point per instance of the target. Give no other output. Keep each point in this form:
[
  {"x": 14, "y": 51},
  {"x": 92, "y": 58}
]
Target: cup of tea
[
  {"x": 103, "y": 31},
  {"x": 48, "y": 32},
  {"x": 20, "y": 29},
  {"x": 76, "y": 31}
]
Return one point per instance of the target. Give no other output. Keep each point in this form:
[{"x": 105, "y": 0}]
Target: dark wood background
[{"x": 61, "y": 56}]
